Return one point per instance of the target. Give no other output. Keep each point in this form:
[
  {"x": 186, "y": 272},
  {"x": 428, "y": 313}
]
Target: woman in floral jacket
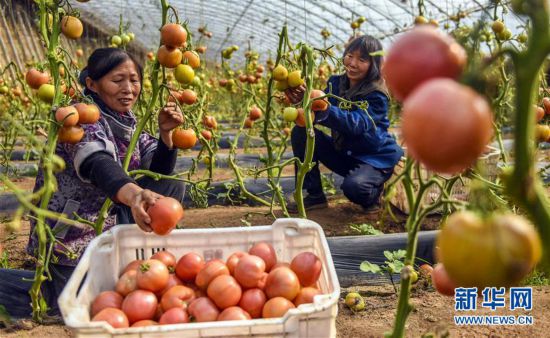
[{"x": 94, "y": 172}]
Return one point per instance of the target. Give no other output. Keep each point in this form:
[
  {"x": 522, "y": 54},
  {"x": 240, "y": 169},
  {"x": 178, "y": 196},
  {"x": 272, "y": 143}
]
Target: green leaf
[
  {"x": 396, "y": 266},
  {"x": 366, "y": 229},
  {"x": 388, "y": 255},
  {"x": 367, "y": 266},
  {"x": 399, "y": 254}
]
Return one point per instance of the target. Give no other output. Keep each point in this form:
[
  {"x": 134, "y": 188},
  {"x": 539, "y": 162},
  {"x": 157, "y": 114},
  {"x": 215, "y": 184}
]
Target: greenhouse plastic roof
[{"x": 258, "y": 22}]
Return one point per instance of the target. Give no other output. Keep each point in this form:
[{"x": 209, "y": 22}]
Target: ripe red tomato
[
  {"x": 173, "y": 280},
  {"x": 177, "y": 296},
  {"x": 464, "y": 116},
  {"x": 173, "y": 35},
  {"x": 139, "y": 305},
  {"x": 133, "y": 265},
  {"x": 305, "y": 296},
  {"x": 282, "y": 282},
  {"x": 546, "y": 104},
  {"x": 233, "y": 260},
  {"x": 207, "y": 134},
  {"x": 501, "y": 250},
  {"x": 266, "y": 252},
  {"x": 318, "y": 105},
  {"x": 36, "y": 78},
  {"x": 539, "y": 112},
  {"x": 248, "y": 123},
  {"x": 442, "y": 282},
  {"x": 152, "y": 275},
  {"x": 67, "y": 116},
  {"x": 105, "y": 300},
  {"x": 234, "y": 313},
  {"x": 211, "y": 270},
  {"x": 165, "y": 215},
  {"x": 71, "y": 135},
  {"x": 146, "y": 322},
  {"x": 203, "y": 309},
  {"x": 419, "y": 55},
  {"x": 192, "y": 58},
  {"x": 276, "y": 307},
  {"x": 184, "y": 138},
  {"x": 188, "y": 96},
  {"x": 252, "y": 301},
  {"x": 224, "y": 291},
  {"x": 307, "y": 266},
  {"x": 87, "y": 113},
  {"x": 425, "y": 270},
  {"x": 249, "y": 271},
  {"x": 210, "y": 122},
  {"x": 255, "y": 113},
  {"x": 175, "y": 315},
  {"x": 189, "y": 266},
  {"x": 167, "y": 258},
  {"x": 115, "y": 317},
  {"x": 169, "y": 57}
]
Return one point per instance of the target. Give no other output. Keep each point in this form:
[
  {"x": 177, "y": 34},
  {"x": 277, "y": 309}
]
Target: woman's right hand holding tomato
[{"x": 139, "y": 200}]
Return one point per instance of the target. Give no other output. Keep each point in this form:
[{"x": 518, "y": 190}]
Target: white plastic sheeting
[{"x": 258, "y": 22}]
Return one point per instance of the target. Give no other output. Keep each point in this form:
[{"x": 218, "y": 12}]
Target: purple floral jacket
[{"x": 111, "y": 134}]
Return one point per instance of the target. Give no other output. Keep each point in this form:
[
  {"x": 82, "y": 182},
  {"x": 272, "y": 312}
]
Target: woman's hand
[
  {"x": 295, "y": 95},
  {"x": 139, "y": 200},
  {"x": 170, "y": 117}
]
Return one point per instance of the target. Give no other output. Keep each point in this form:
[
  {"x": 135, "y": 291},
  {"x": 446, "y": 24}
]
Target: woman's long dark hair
[
  {"x": 103, "y": 60},
  {"x": 366, "y": 45}
]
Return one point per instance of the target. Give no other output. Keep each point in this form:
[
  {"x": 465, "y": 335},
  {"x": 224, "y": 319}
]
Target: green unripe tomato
[
  {"x": 290, "y": 114},
  {"x": 184, "y": 74},
  {"x": 46, "y": 92},
  {"x": 125, "y": 38},
  {"x": 355, "y": 302},
  {"x": 116, "y": 40}
]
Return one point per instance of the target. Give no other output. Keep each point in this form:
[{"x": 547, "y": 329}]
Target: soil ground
[{"x": 433, "y": 312}]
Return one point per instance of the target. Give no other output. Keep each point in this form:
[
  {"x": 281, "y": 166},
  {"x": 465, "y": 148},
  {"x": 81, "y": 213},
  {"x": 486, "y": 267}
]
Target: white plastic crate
[{"x": 108, "y": 254}]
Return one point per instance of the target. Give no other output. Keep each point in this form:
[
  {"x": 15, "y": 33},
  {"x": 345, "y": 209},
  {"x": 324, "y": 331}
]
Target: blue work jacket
[{"x": 362, "y": 139}]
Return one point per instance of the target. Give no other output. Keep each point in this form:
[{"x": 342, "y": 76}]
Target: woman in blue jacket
[{"x": 360, "y": 148}]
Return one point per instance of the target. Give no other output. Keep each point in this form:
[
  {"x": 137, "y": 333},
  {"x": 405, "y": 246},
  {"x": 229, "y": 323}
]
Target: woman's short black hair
[
  {"x": 103, "y": 60},
  {"x": 366, "y": 45}
]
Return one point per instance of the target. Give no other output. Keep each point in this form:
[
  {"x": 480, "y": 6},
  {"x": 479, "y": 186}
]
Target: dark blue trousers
[
  {"x": 14, "y": 290},
  {"x": 362, "y": 184}
]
